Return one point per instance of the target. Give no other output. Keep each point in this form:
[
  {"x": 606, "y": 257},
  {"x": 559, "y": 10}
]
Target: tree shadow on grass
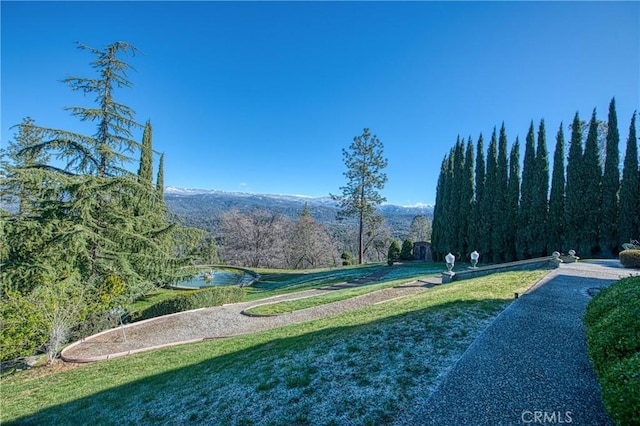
[{"x": 190, "y": 390}]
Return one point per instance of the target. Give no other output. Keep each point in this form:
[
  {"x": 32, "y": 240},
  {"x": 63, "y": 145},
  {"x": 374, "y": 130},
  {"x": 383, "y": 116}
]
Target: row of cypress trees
[{"x": 489, "y": 205}]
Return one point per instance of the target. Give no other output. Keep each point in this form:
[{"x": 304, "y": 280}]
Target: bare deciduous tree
[{"x": 255, "y": 239}]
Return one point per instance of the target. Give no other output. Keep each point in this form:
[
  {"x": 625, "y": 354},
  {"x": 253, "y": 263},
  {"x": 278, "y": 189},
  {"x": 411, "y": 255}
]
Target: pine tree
[
  {"x": 629, "y": 218},
  {"x": 592, "y": 195},
  {"x": 540, "y": 202},
  {"x": 525, "y": 235},
  {"x": 555, "y": 222},
  {"x": 365, "y": 178},
  {"x": 512, "y": 201},
  {"x": 610, "y": 186},
  {"x": 574, "y": 187}
]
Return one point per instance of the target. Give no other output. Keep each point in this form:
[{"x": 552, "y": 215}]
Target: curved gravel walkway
[{"x": 218, "y": 322}]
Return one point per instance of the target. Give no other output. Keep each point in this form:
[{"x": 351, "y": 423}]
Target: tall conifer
[
  {"x": 555, "y": 222},
  {"x": 573, "y": 200},
  {"x": 629, "y": 218},
  {"x": 524, "y": 233},
  {"x": 540, "y": 202},
  {"x": 145, "y": 171},
  {"x": 611, "y": 185},
  {"x": 160, "y": 181},
  {"x": 499, "y": 233},
  {"x": 490, "y": 193},
  {"x": 466, "y": 200},
  {"x": 592, "y": 195},
  {"x": 480, "y": 213},
  {"x": 513, "y": 200},
  {"x": 437, "y": 237}
]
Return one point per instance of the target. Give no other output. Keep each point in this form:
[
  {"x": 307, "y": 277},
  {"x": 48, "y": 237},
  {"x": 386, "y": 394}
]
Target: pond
[{"x": 214, "y": 276}]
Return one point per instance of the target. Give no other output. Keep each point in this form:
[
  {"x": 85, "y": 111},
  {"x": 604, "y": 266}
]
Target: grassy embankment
[{"x": 372, "y": 364}]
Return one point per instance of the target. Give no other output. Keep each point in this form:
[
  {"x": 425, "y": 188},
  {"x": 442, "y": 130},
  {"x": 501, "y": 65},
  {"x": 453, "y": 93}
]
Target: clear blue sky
[{"x": 262, "y": 97}]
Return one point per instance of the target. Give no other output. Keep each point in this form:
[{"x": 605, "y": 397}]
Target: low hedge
[
  {"x": 613, "y": 339},
  {"x": 630, "y": 258},
  {"x": 204, "y": 298}
]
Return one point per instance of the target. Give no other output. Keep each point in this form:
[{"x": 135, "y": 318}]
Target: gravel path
[
  {"x": 219, "y": 322},
  {"x": 530, "y": 366}
]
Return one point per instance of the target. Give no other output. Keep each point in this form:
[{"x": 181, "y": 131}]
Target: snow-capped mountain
[{"x": 203, "y": 207}]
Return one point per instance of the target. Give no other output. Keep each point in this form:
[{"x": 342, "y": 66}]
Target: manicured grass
[
  {"x": 322, "y": 299},
  {"x": 613, "y": 339},
  {"x": 372, "y": 364}
]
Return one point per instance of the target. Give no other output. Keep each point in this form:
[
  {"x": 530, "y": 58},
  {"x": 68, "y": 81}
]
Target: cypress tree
[
  {"x": 555, "y": 222},
  {"x": 610, "y": 186},
  {"x": 466, "y": 203},
  {"x": 499, "y": 225},
  {"x": 479, "y": 214},
  {"x": 574, "y": 187},
  {"x": 160, "y": 182},
  {"x": 629, "y": 219},
  {"x": 449, "y": 231},
  {"x": 592, "y": 195},
  {"x": 145, "y": 171},
  {"x": 524, "y": 232},
  {"x": 456, "y": 206},
  {"x": 437, "y": 236},
  {"x": 512, "y": 200},
  {"x": 490, "y": 193},
  {"x": 540, "y": 203}
]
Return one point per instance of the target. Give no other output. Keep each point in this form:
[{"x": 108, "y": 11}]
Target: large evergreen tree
[
  {"x": 555, "y": 222},
  {"x": 574, "y": 188},
  {"x": 491, "y": 194},
  {"x": 87, "y": 218},
  {"x": 481, "y": 207},
  {"x": 365, "y": 163},
  {"x": 540, "y": 203},
  {"x": 499, "y": 224},
  {"x": 525, "y": 235},
  {"x": 513, "y": 198},
  {"x": 629, "y": 218},
  {"x": 611, "y": 185},
  {"x": 466, "y": 200},
  {"x": 145, "y": 171},
  {"x": 592, "y": 194},
  {"x": 438, "y": 244}
]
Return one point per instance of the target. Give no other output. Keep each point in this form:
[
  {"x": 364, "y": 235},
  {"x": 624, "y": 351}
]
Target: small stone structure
[{"x": 422, "y": 251}]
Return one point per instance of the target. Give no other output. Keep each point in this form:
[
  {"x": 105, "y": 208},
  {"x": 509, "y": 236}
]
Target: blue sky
[{"x": 263, "y": 96}]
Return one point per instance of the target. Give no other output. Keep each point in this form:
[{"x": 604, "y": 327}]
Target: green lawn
[{"x": 370, "y": 364}]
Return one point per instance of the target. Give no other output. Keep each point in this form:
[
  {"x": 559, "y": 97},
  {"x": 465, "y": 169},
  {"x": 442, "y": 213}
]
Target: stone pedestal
[{"x": 447, "y": 277}]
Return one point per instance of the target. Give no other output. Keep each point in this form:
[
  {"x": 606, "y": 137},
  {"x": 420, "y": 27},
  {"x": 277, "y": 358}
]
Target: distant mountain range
[{"x": 203, "y": 208}]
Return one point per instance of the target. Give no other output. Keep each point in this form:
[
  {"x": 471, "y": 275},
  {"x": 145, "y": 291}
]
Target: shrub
[
  {"x": 630, "y": 258},
  {"x": 407, "y": 250},
  {"x": 613, "y": 339},
  {"x": 394, "y": 252},
  {"x": 204, "y": 298}
]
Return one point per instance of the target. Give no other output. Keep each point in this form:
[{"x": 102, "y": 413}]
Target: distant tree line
[{"x": 489, "y": 205}]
